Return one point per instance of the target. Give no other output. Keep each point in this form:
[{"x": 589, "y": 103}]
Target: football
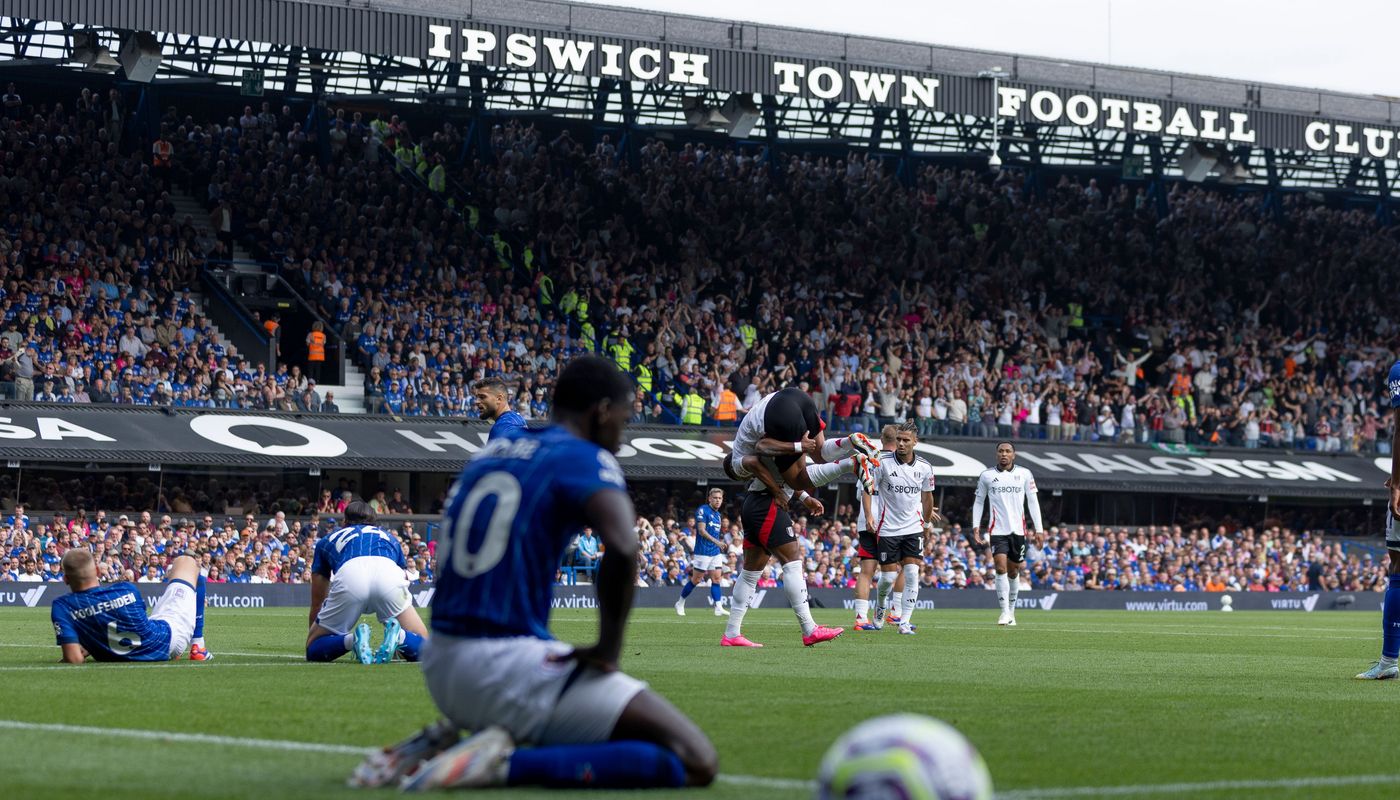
[{"x": 903, "y": 757}]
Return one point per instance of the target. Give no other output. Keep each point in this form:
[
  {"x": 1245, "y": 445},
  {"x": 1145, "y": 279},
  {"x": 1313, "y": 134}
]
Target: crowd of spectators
[
  {"x": 273, "y": 547},
  {"x": 1069, "y": 558},
  {"x": 140, "y": 546},
  {"x": 988, "y": 304}
]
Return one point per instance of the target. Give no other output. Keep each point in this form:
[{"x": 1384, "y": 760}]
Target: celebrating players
[
  {"x": 493, "y": 404},
  {"x": 904, "y": 482},
  {"x": 110, "y": 622},
  {"x": 785, "y": 427},
  {"x": 708, "y": 557},
  {"x": 1007, "y": 489},
  {"x": 492, "y": 665},
  {"x": 359, "y": 569}
]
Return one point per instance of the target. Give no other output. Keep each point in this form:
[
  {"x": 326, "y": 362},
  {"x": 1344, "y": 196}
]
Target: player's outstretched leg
[
  {"x": 653, "y": 745},
  {"x": 841, "y": 447}
]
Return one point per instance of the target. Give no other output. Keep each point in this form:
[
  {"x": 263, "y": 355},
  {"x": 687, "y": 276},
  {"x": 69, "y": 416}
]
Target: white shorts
[
  {"x": 510, "y": 682},
  {"x": 706, "y": 563},
  {"x": 177, "y": 607},
  {"x": 365, "y": 585},
  {"x": 1392, "y": 535}
]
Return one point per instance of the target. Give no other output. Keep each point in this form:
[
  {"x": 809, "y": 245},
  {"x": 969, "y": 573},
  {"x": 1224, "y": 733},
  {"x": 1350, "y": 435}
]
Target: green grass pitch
[{"x": 1067, "y": 704}]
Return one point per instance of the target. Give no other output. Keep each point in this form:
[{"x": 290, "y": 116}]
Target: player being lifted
[
  {"x": 1007, "y": 489},
  {"x": 1385, "y": 667},
  {"x": 786, "y": 423},
  {"x": 708, "y": 558},
  {"x": 867, "y": 543},
  {"x": 785, "y": 427},
  {"x": 110, "y": 622},
  {"x": 359, "y": 569},
  {"x": 492, "y": 665},
  {"x": 903, "y": 480}
]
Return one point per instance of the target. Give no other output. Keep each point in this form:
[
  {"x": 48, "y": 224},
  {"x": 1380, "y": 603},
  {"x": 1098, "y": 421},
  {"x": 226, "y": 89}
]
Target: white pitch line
[
  {"x": 154, "y": 665},
  {"x": 192, "y": 738},
  {"x": 738, "y": 780},
  {"x": 1194, "y": 788}
]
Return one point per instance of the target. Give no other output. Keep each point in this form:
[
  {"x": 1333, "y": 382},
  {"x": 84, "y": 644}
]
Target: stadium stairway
[
  {"x": 349, "y": 396},
  {"x": 186, "y": 206}
]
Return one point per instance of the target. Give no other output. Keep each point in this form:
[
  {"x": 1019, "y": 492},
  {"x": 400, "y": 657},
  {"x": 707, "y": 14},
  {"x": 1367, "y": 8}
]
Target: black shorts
[
  {"x": 867, "y": 545},
  {"x": 766, "y": 526},
  {"x": 1013, "y": 546},
  {"x": 790, "y": 415},
  {"x": 894, "y": 549}
]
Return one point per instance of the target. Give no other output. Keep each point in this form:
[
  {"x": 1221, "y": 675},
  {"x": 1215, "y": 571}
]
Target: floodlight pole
[{"x": 995, "y": 75}]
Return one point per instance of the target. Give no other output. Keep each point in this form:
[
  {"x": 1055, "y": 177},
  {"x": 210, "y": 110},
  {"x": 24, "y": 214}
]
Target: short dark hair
[
  {"x": 1008, "y": 444},
  {"x": 492, "y": 384},
  {"x": 587, "y": 381},
  {"x": 359, "y": 513},
  {"x": 909, "y": 427}
]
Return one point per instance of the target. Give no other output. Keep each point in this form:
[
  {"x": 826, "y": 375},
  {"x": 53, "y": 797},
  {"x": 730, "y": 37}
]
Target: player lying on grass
[
  {"x": 768, "y": 533},
  {"x": 359, "y": 569},
  {"x": 492, "y": 665},
  {"x": 110, "y": 622}
]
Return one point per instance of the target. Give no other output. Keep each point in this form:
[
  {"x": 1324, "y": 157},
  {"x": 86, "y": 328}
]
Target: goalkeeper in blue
[
  {"x": 544, "y": 713},
  {"x": 1385, "y": 667},
  {"x": 109, "y": 622}
]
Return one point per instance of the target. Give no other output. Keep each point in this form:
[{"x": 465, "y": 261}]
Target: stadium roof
[{"x": 639, "y": 67}]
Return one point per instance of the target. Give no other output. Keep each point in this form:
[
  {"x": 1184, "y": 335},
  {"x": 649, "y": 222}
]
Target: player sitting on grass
[
  {"x": 359, "y": 569},
  {"x": 110, "y": 622},
  {"x": 492, "y": 665}
]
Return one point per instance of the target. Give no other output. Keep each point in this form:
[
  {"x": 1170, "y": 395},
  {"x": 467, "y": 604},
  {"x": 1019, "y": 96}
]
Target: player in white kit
[
  {"x": 867, "y": 543},
  {"x": 785, "y": 427},
  {"x": 1007, "y": 490},
  {"x": 904, "y": 482}
]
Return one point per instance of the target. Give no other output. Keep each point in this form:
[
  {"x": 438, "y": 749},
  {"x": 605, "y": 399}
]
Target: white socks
[
  {"x": 1003, "y": 589},
  {"x": 822, "y": 474},
  {"x": 911, "y": 593},
  {"x": 1012, "y": 590},
  {"x": 862, "y": 610},
  {"x": 739, "y": 601},
  {"x": 833, "y": 449},
  {"x": 795, "y": 585},
  {"x": 886, "y": 585}
]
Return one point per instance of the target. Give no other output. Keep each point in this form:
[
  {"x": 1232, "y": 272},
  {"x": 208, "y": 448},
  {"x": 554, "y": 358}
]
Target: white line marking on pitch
[
  {"x": 740, "y": 780},
  {"x": 216, "y": 652},
  {"x": 1193, "y": 788}
]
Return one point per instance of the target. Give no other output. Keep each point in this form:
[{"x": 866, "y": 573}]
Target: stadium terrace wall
[
  {"x": 38, "y": 434},
  {"x": 224, "y": 595},
  {"x": 722, "y": 55}
]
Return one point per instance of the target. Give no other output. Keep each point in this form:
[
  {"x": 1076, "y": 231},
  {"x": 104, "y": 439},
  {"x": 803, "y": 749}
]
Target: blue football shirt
[
  {"x": 707, "y": 519},
  {"x": 110, "y": 622},
  {"x": 506, "y": 423},
  {"x": 1392, "y": 385},
  {"x": 354, "y": 541},
  {"x": 513, "y": 511}
]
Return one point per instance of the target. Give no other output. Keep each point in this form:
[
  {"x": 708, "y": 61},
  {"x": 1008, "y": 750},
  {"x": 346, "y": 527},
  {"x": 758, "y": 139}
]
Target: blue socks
[
  {"x": 687, "y": 589},
  {"x": 327, "y": 648},
  {"x": 610, "y": 765},
  {"x": 714, "y": 591},
  {"x": 1390, "y": 618},
  {"x": 410, "y": 646},
  {"x": 199, "y": 609}
]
